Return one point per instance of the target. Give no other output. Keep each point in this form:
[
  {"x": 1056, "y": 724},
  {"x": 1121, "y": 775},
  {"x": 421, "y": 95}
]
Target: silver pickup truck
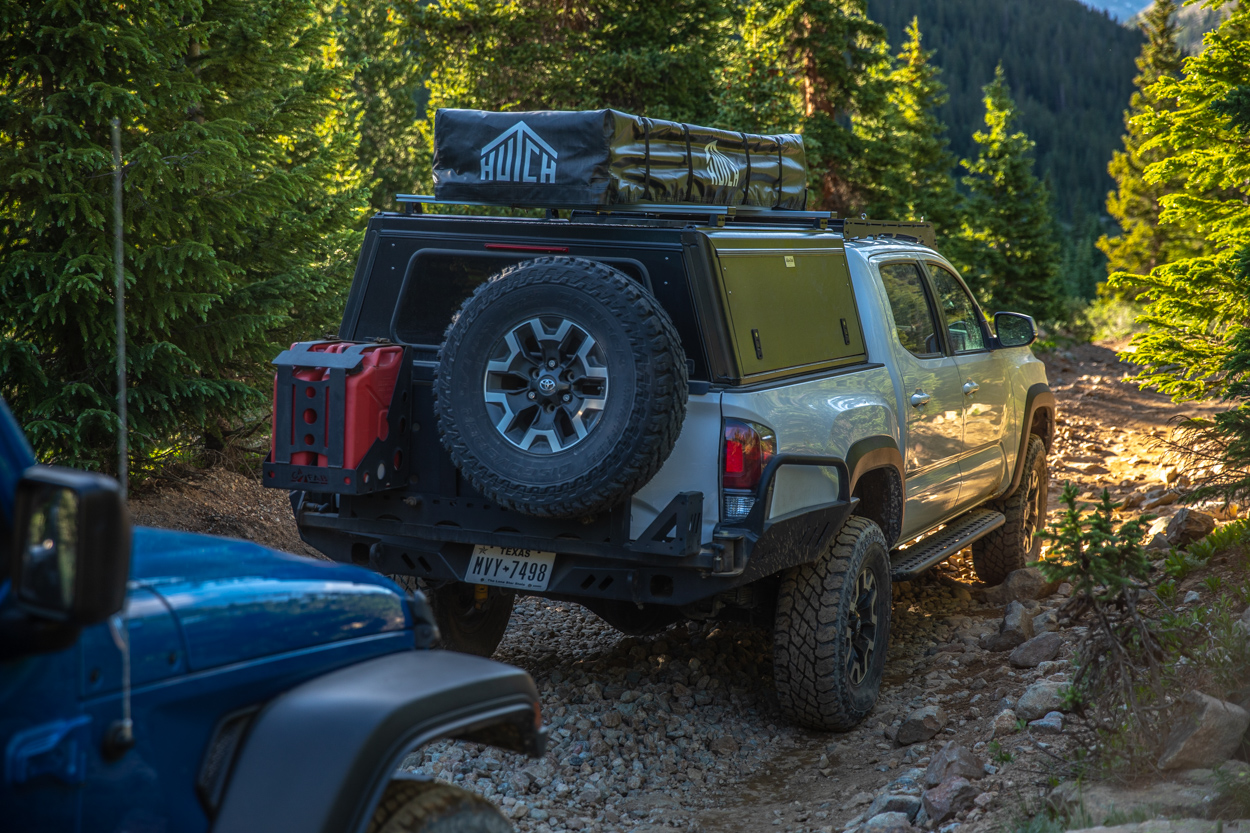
[{"x": 665, "y": 413}]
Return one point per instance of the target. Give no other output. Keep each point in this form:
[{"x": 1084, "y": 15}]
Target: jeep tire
[
  {"x": 832, "y": 630},
  {"x": 1016, "y": 542},
  {"x": 468, "y": 623},
  {"x": 561, "y": 387},
  {"x": 412, "y": 806}
]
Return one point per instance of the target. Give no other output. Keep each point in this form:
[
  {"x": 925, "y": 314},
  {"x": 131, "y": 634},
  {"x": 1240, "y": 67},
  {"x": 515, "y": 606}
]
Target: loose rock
[
  {"x": 1027, "y": 583},
  {"x": 945, "y": 800},
  {"x": 953, "y": 761},
  {"x": 909, "y": 805},
  {"x": 921, "y": 725},
  {"x": 1016, "y": 628},
  {"x": 886, "y": 822},
  {"x": 1206, "y": 736},
  {"x": 1189, "y": 525},
  {"x": 1040, "y": 698},
  {"x": 1037, "y": 650},
  {"x": 1005, "y": 723},
  {"x": 1051, "y": 724}
]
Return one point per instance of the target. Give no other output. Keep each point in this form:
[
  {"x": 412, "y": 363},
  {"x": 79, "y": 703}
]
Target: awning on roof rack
[{"x": 605, "y": 157}]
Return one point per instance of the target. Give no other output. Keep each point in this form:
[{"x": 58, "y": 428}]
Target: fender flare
[
  {"x": 318, "y": 757},
  {"x": 869, "y": 454},
  {"x": 1039, "y": 401}
]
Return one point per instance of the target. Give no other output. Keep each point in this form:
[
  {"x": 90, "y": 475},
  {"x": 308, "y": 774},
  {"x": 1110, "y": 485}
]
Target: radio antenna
[{"x": 123, "y": 461}]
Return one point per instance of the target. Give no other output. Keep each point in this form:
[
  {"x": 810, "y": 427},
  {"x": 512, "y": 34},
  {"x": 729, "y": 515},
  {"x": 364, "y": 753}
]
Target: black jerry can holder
[{"x": 384, "y": 466}]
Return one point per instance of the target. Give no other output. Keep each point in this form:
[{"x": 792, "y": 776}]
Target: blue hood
[{"x": 235, "y": 601}]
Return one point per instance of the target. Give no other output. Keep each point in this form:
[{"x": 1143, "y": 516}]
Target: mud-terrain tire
[
  {"x": 466, "y": 626},
  {"x": 1016, "y": 542},
  {"x": 570, "y": 415},
  {"x": 832, "y": 630},
  {"x": 432, "y": 807}
]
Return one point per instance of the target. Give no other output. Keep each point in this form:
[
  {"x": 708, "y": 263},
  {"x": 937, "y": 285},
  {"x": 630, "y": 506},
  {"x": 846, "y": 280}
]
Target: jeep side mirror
[
  {"x": 71, "y": 547},
  {"x": 1014, "y": 329}
]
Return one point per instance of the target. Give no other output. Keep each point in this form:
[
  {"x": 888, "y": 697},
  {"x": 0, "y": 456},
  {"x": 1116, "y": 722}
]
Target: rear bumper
[{"x": 738, "y": 555}]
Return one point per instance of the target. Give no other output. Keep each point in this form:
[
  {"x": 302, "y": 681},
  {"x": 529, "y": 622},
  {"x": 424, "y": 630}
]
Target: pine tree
[
  {"x": 238, "y": 203},
  {"x": 1143, "y": 243},
  {"x": 1198, "y": 342},
  {"x": 1006, "y": 247},
  {"x": 387, "y": 92},
  {"x": 912, "y": 170}
]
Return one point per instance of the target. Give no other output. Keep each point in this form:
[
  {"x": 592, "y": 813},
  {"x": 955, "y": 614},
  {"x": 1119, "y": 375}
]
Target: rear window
[{"x": 437, "y": 284}]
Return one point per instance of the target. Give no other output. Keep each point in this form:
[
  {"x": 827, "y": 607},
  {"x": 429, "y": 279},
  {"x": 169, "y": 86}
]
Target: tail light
[{"x": 748, "y": 448}]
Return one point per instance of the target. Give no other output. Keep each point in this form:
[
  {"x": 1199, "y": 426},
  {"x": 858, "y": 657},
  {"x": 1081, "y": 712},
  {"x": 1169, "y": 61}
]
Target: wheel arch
[
  {"x": 367, "y": 718},
  {"x": 1038, "y": 418},
  {"x": 876, "y": 478}
]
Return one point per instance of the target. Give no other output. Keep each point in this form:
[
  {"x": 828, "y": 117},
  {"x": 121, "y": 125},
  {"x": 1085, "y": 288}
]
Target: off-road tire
[
  {"x": 645, "y": 402},
  {"x": 1016, "y": 542},
  {"x": 432, "y": 807},
  {"x": 465, "y": 627},
  {"x": 817, "y": 605}
]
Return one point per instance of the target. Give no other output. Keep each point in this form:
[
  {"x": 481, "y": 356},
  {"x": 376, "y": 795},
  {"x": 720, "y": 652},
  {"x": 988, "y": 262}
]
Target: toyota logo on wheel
[{"x": 547, "y": 384}]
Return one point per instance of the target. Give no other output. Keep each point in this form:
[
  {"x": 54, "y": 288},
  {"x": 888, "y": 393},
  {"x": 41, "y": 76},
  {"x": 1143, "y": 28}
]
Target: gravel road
[{"x": 681, "y": 730}]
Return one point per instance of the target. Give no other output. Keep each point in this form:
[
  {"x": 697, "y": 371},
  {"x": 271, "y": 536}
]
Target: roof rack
[{"x": 713, "y": 215}]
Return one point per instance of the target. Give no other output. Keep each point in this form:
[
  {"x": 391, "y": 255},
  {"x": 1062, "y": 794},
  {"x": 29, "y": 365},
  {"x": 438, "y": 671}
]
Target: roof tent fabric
[{"x": 605, "y": 157}]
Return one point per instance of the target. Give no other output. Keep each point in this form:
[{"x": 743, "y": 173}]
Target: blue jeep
[{"x": 163, "y": 681}]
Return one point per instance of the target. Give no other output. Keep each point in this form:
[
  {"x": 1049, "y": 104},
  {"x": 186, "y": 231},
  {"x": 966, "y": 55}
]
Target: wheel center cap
[{"x": 547, "y": 385}]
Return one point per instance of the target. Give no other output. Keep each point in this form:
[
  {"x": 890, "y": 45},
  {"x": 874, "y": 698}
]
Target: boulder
[
  {"x": 1207, "y": 734},
  {"x": 1015, "y": 629},
  {"x": 1039, "y": 699},
  {"x": 887, "y": 823},
  {"x": 909, "y": 805},
  {"x": 1046, "y": 622},
  {"x": 1005, "y": 724},
  {"x": 1189, "y": 793},
  {"x": 1027, "y": 583},
  {"x": 1051, "y": 724},
  {"x": 1037, "y": 650},
  {"x": 953, "y": 761},
  {"x": 921, "y": 725},
  {"x": 947, "y": 799},
  {"x": 1158, "y": 543},
  {"x": 1189, "y": 525}
]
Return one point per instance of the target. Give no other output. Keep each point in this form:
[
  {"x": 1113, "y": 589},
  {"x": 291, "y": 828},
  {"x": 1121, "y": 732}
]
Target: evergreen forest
[{"x": 257, "y": 138}]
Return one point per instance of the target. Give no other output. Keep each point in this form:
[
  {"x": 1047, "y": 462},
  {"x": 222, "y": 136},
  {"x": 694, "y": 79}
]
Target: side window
[
  {"x": 963, "y": 322},
  {"x": 914, "y": 320}
]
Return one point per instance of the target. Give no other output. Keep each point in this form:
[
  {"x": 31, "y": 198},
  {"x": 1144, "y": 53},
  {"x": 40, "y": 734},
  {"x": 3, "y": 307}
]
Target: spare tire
[{"x": 561, "y": 387}]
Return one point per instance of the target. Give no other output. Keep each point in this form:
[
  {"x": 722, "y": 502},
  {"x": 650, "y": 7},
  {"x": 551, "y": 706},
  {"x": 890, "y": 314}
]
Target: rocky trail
[{"x": 681, "y": 730}]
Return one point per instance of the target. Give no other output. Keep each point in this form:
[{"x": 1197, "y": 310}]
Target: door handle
[
  {"x": 920, "y": 399},
  {"x": 971, "y": 388}
]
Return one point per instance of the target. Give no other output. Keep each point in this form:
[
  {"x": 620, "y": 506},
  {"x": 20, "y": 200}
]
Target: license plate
[{"x": 510, "y": 567}]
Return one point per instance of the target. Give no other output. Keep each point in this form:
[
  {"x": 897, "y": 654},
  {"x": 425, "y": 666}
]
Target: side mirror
[
  {"x": 71, "y": 547},
  {"x": 1014, "y": 329}
]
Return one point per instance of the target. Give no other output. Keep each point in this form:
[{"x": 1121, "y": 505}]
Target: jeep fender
[
  {"x": 319, "y": 756},
  {"x": 1038, "y": 418}
]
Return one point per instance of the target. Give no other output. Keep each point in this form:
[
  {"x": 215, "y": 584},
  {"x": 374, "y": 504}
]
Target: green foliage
[
  {"x": 997, "y": 754},
  {"x": 909, "y": 159},
  {"x": 1123, "y": 661},
  {"x": 387, "y": 100},
  {"x": 1006, "y": 246},
  {"x": 237, "y": 187},
  {"x": 1070, "y": 69},
  {"x": 1198, "y": 345},
  {"x": 1143, "y": 243}
]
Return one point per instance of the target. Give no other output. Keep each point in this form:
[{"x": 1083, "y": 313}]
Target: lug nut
[
  {"x": 551, "y": 362},
  {"x": 531, "y": 395},
  {"x": 566, "y": 398}
]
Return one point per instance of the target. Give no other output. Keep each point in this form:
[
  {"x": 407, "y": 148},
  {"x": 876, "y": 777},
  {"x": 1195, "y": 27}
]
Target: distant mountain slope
[
  {"x": 1121, "y": 10},
  {"x": 1071, "y": 72}
]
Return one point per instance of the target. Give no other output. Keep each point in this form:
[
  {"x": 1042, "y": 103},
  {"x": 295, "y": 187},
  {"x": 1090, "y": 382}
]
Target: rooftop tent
[{"x": 605, "y": 157}]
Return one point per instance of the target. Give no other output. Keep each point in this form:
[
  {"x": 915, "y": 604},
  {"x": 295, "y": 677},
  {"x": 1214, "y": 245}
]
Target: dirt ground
[{"x": 784, "y": 778}]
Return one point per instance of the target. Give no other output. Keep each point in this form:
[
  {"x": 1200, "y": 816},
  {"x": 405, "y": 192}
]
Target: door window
[
  {"x": 963, "y": 321},
  {"x": 914, "y": 321}
]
